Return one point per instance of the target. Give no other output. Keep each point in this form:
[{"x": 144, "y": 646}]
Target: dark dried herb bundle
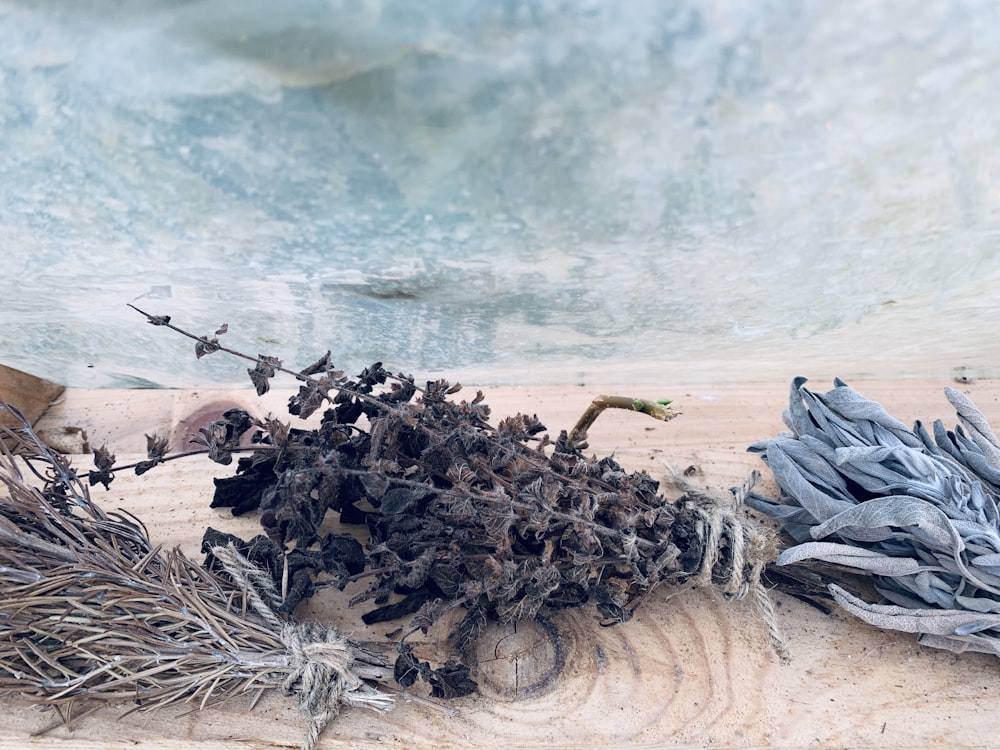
[
  {"x": 91, "y": 611},
  {"x": 915, "y": 510},
  {"x": 496, "y": 520}
]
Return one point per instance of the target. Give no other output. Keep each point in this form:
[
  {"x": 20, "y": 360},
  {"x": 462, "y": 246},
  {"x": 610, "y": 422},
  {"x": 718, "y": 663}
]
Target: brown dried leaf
[
  {"x": 104, "y": 460},
  {"x": 262, "y": 373},
  {"x": 205, "y": 345}
]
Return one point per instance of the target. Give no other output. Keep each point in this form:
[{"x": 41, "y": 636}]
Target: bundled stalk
[
  {"x": 497, "y": 521},
  {"x": 92, "y": 611},
  {"x": 917, "y": 510}
]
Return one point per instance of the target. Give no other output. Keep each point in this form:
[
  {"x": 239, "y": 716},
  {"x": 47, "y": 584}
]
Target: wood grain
[
  {"x": 30, "y": 394},
  {"x": 690, "y": 670}
]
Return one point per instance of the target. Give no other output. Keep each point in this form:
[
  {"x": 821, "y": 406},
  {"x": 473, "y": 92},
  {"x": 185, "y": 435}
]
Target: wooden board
[
  {"x": 690, "y": 670},
  {"x": 31, "y": 395}
]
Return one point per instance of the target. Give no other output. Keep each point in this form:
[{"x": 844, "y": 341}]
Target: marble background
[{"x": 510, "y": 192}]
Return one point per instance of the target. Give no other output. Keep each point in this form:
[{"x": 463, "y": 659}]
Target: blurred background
[{"x": 506, "y": 192}]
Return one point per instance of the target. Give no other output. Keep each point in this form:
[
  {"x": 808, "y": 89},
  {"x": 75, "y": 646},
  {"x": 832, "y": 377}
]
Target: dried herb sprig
[
  {"x": 92, "y": 611},
  {"x": 918, "y": 511},
  {"x": 497, "y": 520}
]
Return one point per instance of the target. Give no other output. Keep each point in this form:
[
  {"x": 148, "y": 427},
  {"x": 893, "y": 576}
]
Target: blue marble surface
[{"x": 511, "y": 191}]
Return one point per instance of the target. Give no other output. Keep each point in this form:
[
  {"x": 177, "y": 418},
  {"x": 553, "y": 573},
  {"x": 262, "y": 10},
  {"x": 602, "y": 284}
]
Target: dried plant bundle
[
  {"x": 495, "y": 520},
  {"x": 916, "y": 510},
  {"x": 92, "y": 611}
]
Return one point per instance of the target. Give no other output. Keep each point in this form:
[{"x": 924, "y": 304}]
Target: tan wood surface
[
  {"x": 688, "y": 671},
  {"x": 31, "y": 394}
]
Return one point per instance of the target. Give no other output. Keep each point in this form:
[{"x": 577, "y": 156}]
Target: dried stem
[{"x": 654, "y": 409}]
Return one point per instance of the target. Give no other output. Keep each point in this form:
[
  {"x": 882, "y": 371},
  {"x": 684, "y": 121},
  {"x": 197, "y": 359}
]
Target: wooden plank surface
[
  {"x": 30, "y": 394},
  {"x": 690, "y": 670}
]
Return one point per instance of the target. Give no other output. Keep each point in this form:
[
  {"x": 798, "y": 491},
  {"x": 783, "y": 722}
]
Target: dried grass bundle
[{"x": 90, "y": 610}]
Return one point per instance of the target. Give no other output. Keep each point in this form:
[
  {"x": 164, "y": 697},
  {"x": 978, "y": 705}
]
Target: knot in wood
[{"x": 518, "y": 660}]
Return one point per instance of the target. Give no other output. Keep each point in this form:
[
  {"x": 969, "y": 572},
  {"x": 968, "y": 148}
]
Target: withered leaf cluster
[{"x": 494, "y": 520}]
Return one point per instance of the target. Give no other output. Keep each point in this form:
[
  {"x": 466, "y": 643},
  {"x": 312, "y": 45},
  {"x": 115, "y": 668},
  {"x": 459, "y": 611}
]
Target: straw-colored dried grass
[{"x": 90, "y": 610}]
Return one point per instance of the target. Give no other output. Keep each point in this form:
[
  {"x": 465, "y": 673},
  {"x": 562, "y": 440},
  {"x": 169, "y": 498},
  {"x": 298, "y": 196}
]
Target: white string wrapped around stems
[{"x": 92, "y": 611}]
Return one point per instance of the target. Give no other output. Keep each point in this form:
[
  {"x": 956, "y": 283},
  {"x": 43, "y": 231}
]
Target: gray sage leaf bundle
[
  {"x": 92, "y": 611},
  {"x": 915, "y": 509}
]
